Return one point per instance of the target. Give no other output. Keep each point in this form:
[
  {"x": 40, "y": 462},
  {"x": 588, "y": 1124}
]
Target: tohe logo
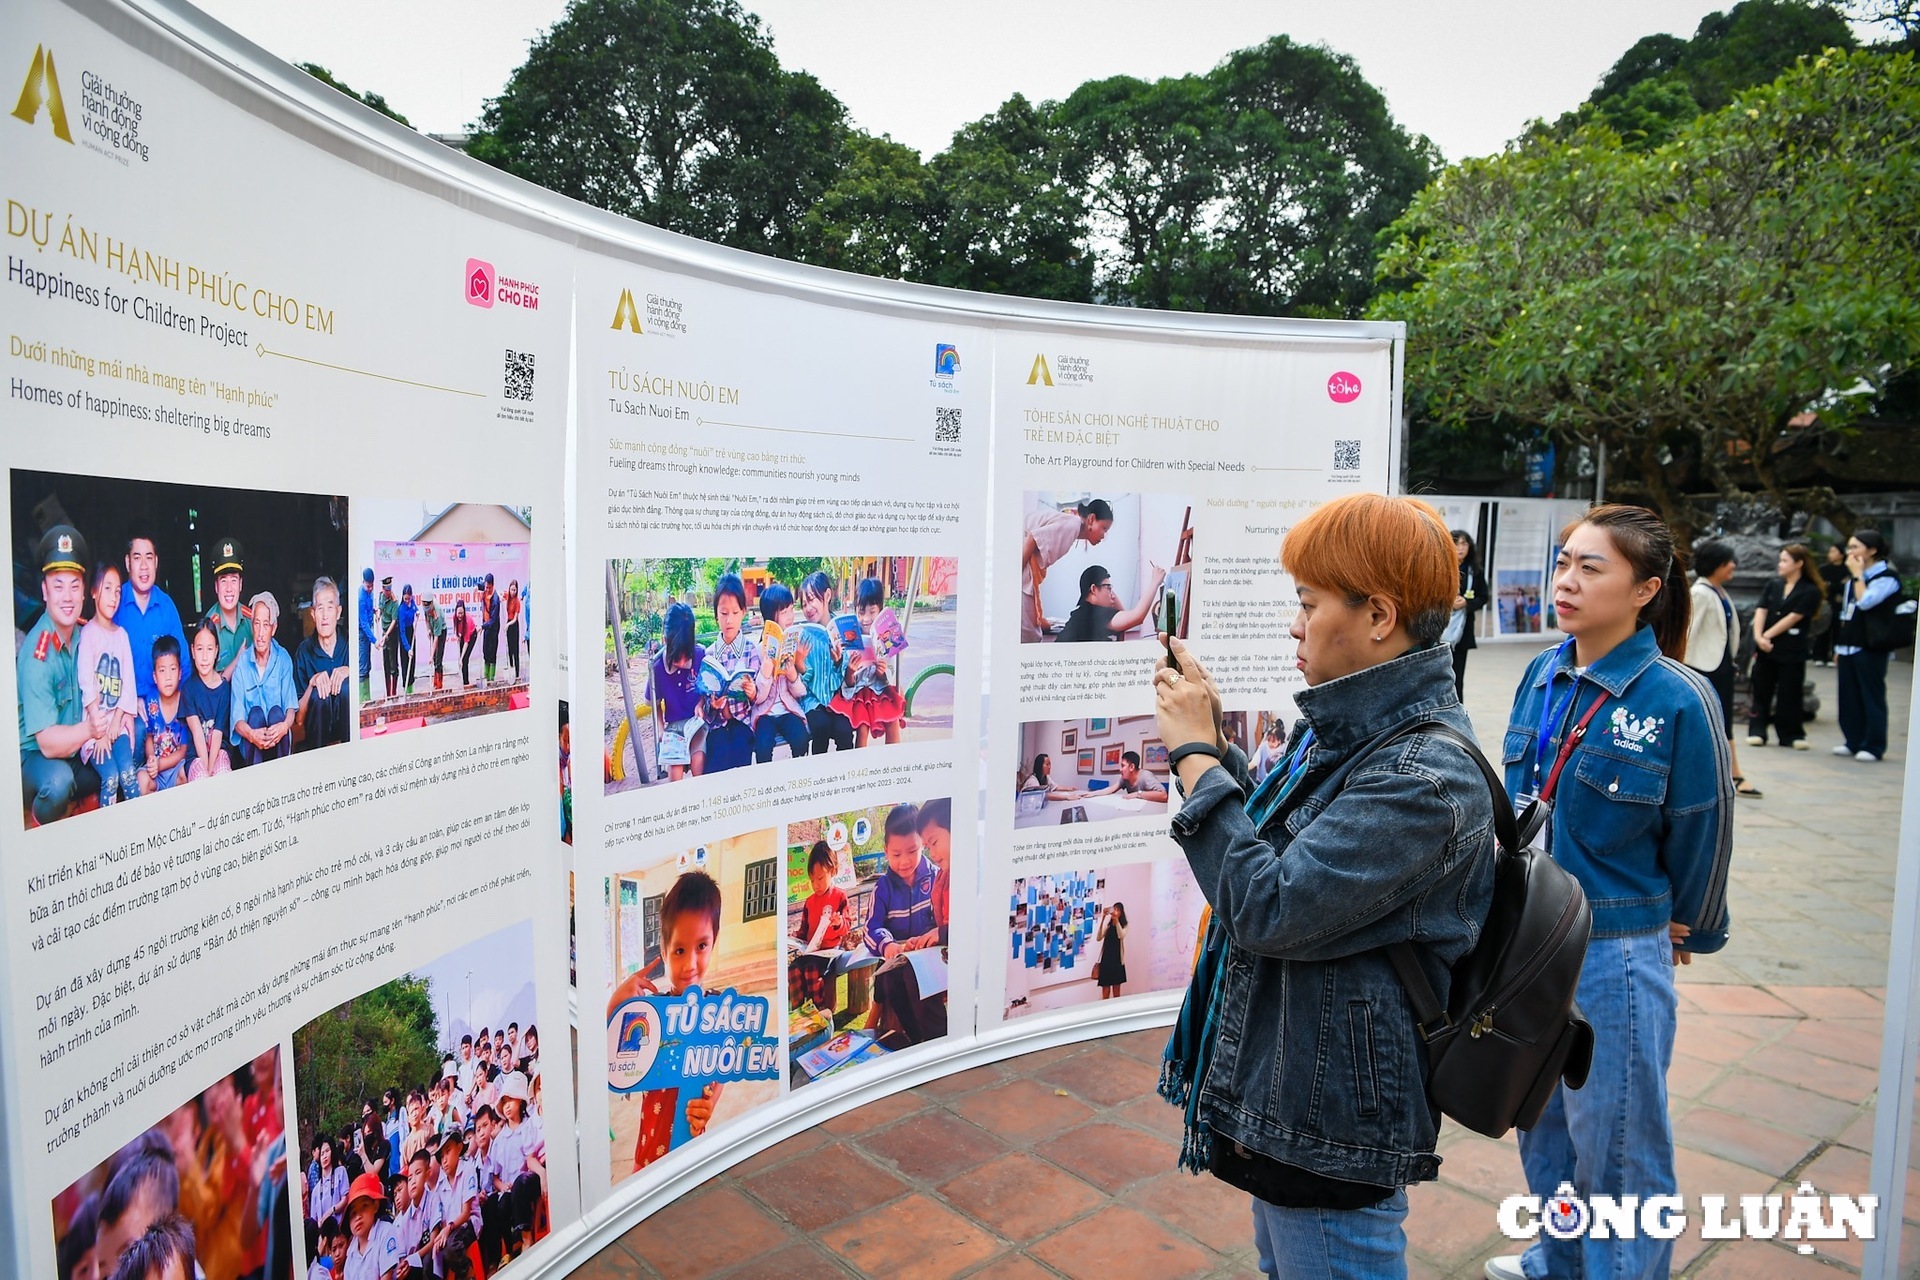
[
  {"x": 626, "y": 315},
  {"x": 480, "y": 282},
  {"x": 1343, "y": 388},
  {"x": 43, "y": 87}
]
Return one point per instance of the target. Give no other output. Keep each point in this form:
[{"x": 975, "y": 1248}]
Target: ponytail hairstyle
[
  {"x": 1097, "y": 508},
  {"x": 1646, "y": 543}
]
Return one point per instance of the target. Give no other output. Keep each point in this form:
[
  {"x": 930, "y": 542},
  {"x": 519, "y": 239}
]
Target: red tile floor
[{"x": 1061, "y": 1164}]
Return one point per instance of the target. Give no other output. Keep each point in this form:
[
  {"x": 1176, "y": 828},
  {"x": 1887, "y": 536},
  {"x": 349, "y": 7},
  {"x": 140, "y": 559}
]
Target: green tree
[
  {"x": 1006, "y": 219},
  {"x": 873, "y": 217},
  {"x": 373, "y": 100},
  {"x": 674, "y": 112},
  {"x": 1678, "y": 305},
  {"x": 387, "y": 1038}
]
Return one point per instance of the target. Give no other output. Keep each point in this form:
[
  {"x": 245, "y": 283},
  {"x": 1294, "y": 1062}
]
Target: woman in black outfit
[
  {"x": 1833, "y": 575},
  {"x": 1473, "y": 597},
  {"x": 1782, "y": 626},
  {"x": 1112, "y": 932}
]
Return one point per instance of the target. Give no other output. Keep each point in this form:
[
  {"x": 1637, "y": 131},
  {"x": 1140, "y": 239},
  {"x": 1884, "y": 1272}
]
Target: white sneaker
[
  {"x": 1842, "y": 750},
  {"x": 1866, "y": 757},
  {"x": 1505, "y": 1268},
  {"x": 1755, "y": 740},
  {"x": 1800, "y": 744}
]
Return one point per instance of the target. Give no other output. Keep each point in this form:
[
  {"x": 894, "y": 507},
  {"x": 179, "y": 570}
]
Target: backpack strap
[{"x": 1431, "y": 1015}]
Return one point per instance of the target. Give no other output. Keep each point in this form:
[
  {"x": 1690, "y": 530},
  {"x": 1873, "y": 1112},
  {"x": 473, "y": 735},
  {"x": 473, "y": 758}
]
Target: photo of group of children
[
  {"x": 1113, "y": 567},
  {"x": 723, "y": 663},
  {"x": 168, "y": 633},
  {"x": 707, "y": 918},
  {"x": 443, "y": 611},
  {"x": 868, "y": 914},
  {"x": 419, "y": 1111},
  {"x": 1100, "y": 933},
  {"x": 203, "y": 1193}
]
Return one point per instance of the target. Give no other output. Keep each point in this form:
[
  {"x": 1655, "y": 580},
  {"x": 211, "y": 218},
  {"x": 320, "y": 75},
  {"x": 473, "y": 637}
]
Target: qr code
[
  {"x": 1346, "y": 455},
  {"x": 946, "y": 426},
  {"x": 519, "y": 385}
]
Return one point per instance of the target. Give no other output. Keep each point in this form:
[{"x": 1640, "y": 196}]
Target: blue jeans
[
  {"x": 1863, "y": 700},
  {"x": 1340, "y": 1244},
  {"x": 119, "y": 776},
  {"x": 49, "y": 787},
  {"x": 1613, "y": 1136}
]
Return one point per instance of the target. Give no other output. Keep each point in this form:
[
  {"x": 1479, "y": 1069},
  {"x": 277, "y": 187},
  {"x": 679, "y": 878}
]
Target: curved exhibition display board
[{"x": 804, "y": 780}]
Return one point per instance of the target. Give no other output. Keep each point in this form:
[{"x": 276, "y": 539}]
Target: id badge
[{"x": 1535, "y": 818}]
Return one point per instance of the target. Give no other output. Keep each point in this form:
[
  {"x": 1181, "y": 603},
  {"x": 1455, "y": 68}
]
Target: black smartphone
[{"x": 1169, "y": 620}]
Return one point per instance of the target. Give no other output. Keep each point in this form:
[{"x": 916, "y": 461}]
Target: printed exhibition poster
[
  {"x": 283, "y": 455},
  {"x": 1141, "y": 480},
  {"x": 778, "y": 629}
]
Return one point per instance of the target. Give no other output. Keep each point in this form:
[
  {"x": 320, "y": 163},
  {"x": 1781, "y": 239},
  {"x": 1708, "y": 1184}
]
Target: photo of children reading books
[
  {"x": 719, "y": 664},
  {"x": 683, "y": 925},
  {"x": 867, "y": 923}
]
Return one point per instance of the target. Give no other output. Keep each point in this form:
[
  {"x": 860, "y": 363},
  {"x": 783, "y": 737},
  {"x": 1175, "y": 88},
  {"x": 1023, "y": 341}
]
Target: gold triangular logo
[
  {"x": 626, "y": 316},
  {"x": 43, "y": 86},
  {"x": 1040, "y": 373}
]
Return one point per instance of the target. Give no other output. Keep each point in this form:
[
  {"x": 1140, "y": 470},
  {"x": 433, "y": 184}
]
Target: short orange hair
[{"x": 1368, "y": 544}]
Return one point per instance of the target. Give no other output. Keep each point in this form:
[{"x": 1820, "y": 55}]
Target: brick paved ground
[{"x": 1060, "y": 1163}]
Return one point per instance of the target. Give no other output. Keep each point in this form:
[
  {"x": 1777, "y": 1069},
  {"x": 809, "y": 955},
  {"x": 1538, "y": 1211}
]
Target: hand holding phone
[{"x": 1169, "y": 622}]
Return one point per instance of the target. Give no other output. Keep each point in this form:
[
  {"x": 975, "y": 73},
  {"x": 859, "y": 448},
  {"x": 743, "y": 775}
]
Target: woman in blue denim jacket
[
  {"x": 1297, "y": 1056},
  {"x": 1643, "y": 818}
]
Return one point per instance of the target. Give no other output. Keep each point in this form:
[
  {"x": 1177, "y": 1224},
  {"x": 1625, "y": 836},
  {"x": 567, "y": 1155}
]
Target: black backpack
[
  {"x": 1891, "y": 624},
  {"x": 1510, "y": 1031}
]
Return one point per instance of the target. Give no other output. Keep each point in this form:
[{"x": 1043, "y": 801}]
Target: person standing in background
[
  {"x": 1871, "y": 584},
  {"x": 1471, "y": 600},
  {"x": 365, "y": 619},
  {"x": 1833, "y": 576},
  {"x": 1713, "y": 639},
  {"x": 1782, "y": 627}
]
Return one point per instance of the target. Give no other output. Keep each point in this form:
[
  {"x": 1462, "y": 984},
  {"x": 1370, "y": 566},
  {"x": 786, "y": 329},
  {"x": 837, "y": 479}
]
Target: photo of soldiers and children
[
  {"x": 165, "y": 634},
  {"x": 706, "y": 920},
  {"x": 868, "y": 910},
  {"x": 722, "y": 663},
  {"x": 203, "y": 1193},
  {"x": 442, "y": 605},
  {"x": 423, "y": 1149}
]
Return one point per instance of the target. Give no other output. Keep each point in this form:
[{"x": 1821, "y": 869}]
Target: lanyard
[
  {"x": 1555, "y": 716},
  {"x": 1273, "y": 792}
]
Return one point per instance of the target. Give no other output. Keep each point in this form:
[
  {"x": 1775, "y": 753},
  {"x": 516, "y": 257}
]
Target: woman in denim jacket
[
  {"x": 1643, "y": 818},
  {"x": 1297, "y": 1056}
]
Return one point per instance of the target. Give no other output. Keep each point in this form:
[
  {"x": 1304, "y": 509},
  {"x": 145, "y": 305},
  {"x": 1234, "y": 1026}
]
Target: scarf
[{"x": 1189, "y": 1052}]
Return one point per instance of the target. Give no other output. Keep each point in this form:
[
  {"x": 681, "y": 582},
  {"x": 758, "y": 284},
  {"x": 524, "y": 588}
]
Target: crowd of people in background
[
  {"x": 402, "y": 626},
  {"x": 204, "y": 1191},
  {"x": 118, "y": 700},
  {"x": 444, "y": 1179}
]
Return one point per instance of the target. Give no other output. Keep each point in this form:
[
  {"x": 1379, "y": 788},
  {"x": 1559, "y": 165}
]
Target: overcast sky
[{"x": 1469, "y": 74}]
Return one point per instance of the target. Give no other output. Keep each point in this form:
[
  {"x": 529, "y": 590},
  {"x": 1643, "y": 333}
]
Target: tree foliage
[
  {"x": 1679, "y": 305},
  {"x": 675, "y": 112},
  {"x": 373, "y": 100},
  {"x": 384, "y": 1039}
]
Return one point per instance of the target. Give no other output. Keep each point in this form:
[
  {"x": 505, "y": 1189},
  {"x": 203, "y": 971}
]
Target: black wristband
[{"x": 1185, "y": 749}]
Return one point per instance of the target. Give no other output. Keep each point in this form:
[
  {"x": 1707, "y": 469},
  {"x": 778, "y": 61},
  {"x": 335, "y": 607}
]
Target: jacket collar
[
  {"x": 1617, "y": 670},
  {"x": 1348, "y": 711}
]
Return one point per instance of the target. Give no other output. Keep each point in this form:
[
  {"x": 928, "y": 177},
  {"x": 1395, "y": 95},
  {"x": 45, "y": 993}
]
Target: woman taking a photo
[
  {"x": 1782, "y": 641},
  {"x": 1862, "y": 671},
  {"x": 1111, "y": 933},
  {"x": 1471, "y": 600},
  {"x": 1642, "y": 816},
  {"x": 1346, "y": 848}
]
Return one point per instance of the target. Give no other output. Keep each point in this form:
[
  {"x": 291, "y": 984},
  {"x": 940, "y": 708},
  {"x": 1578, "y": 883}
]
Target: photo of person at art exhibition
[
  {"x": 206, "y": 1185},
  {"x": 1099, "y": 933},
  {"x": 1095, "y": 568},
  {"x": 430, "y": 1084},
  {"x": 722, "y": 663},
  {"x": 1097, "y": 769},
  {"x": 707, "y": 918},
  {"x": 115, "y": 577},
  {"x": 443, "y": 571},
  {"x": 868, "y": 919}
]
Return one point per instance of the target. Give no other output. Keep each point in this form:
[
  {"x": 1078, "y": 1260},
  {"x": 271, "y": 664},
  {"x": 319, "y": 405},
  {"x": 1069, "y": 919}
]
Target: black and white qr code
[
  {"x": 519, "y": 384},
  {"x": 1346, "y": 455},
  {"x": 946, "y": 426}
]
